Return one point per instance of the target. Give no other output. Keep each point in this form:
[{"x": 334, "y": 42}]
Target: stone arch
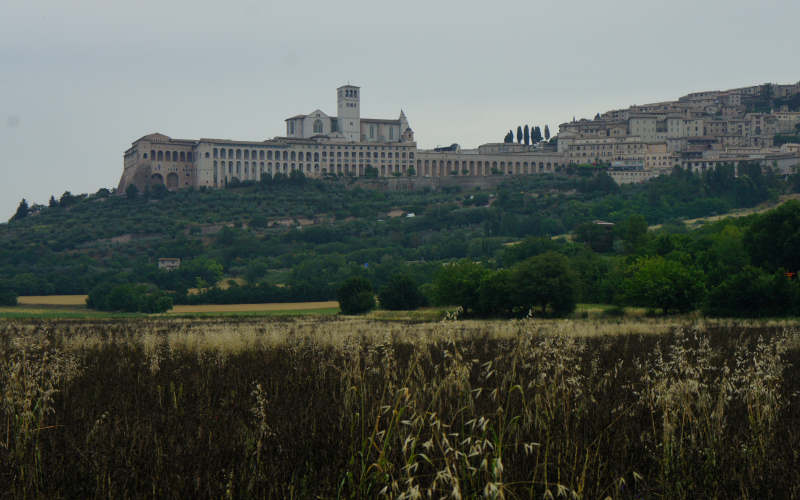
[
  {"x": 172, "y": 180},
  {"x": 156, "y": 179}
]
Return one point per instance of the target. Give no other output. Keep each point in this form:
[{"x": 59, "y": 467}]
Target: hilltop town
[{"x": 756, "y": 124}]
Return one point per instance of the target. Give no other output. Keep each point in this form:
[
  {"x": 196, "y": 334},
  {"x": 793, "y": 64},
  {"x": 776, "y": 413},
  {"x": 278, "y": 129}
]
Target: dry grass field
[
  {"x": 52, "y": 300},
  {"x": 234, "y": 308},
  {"x": 343, "y": 407},
  {"x": 75, "y": 306}
]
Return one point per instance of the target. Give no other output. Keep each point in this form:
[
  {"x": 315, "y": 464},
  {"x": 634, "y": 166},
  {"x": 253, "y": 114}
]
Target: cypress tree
[
  {"x": 526, "y": 135},
  {"x": 22, "y": 210},
  {"x": 546, "y": 133},
  {"x": 519, "y": 135}
]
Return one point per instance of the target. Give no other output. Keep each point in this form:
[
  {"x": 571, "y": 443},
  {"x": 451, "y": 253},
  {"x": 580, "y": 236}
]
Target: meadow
[{"x": 338, "y": 407}]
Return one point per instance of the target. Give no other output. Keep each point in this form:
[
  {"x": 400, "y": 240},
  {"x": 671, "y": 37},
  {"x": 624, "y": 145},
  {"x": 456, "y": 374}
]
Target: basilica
[{"x": 320, "y": 145}]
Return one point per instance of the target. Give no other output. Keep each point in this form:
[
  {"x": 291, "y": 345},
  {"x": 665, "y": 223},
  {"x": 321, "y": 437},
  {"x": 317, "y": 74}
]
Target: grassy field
[{"x": 342, "y": 407}]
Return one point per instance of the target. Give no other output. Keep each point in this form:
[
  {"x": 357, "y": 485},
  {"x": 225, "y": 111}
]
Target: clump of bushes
[
  {"x": 356, "y": 296},
  {"x": 7, "y": 297},
  {"x": 129, "y": 297},
  {"x": 401, "y": 293}
]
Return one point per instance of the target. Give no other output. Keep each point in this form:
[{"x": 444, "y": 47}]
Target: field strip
[
  {"x": 286, "y": 306},
  {"x": 52, "y": 300}
]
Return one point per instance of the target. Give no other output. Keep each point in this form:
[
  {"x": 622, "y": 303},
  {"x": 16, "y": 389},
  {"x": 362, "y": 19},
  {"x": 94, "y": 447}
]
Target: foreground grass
[{"x": 327, "y": 407}]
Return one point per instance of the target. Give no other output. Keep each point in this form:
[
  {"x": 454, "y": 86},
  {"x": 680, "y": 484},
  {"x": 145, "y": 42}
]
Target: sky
[{"x": 81, "y": 80}]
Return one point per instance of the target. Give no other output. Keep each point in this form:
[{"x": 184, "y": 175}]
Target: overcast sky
[{"x": 80, "y": 80}]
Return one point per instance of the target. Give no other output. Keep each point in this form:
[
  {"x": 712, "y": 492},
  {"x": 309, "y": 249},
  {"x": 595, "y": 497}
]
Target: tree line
[{"x": 528, "y": 135}]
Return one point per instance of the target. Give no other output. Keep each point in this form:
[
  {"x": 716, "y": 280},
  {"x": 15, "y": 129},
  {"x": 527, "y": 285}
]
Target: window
[{"x": 317, "y": 126}]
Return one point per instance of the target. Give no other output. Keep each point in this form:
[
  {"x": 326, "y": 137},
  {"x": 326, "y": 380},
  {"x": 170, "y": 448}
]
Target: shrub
[
  {"x": 8, "y": 298},
  {"x": 401, "y": 293},
  {"x": 753, "y": 293},
  {"x": 355, "y": 296},
  {"x": 129, "y": 297}
]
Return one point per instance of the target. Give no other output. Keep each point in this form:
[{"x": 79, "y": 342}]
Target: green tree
[
  {"x": 457, "y": 283},
  {"x": 519, "y": 135},
  {"x": 726, "y": 256},
  {"x": 545, "y": 283},
  {"x": 753, "y": 293},
  {"x": 546, "y": 133},
  {"x": 8, "y": 297},
  {"x": 536, "y": 135},
  {"x": 255, "y": 270},
  {"x": 67, "y": 199},
  {"x": 599, "y": 238},
  {"x": 355, "y": 296},
  {"x": 53, "y": 203},
  {"x": 22, "y": 210},
  {"x": 526, "y": 135},
  {"x": 659, "y": 283},
  {"x": 493, "y": 294},
  {"x": 132, "y": 192},
  {"x": 401, "y": 293},
  {"x": 128, "y": 297},
  {"x": 773, "y": 238},
  {"x": 633, "y": 233}
]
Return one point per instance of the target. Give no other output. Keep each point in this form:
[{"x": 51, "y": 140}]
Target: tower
[{"x": 349, "y": 112}]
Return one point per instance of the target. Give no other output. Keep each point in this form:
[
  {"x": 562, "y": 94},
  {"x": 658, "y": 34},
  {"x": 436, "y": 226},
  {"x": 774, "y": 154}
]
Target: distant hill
[{"x": 312, "y": 233}]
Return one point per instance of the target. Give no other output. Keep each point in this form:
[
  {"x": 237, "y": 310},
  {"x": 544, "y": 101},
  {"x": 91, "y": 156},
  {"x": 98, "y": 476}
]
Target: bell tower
[{"x": 349, "y": 112}]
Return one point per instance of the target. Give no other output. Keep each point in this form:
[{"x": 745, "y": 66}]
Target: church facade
[{"x": 320, "y": 145}]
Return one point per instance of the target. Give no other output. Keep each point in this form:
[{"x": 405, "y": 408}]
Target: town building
[{"x": 698, "y": 130}]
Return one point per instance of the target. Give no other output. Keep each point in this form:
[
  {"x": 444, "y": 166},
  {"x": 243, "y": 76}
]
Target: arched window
[
  {"x": 317, "y": 126},
  {"x": 183, "y": 156},
  {"x": 160, "y": 155},
  {"x": 168, "y": 156}
]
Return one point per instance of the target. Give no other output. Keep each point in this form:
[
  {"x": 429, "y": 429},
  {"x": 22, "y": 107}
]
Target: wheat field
[{"x": 338, "y": 407}]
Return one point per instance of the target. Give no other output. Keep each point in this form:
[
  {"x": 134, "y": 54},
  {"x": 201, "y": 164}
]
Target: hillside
[{"x": 305, "y": 236}]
